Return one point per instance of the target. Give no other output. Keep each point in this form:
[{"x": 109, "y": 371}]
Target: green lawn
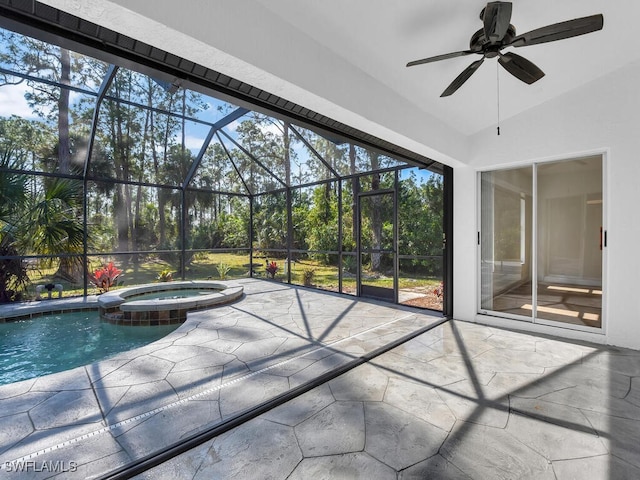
[{"x": 204, "y": 266}]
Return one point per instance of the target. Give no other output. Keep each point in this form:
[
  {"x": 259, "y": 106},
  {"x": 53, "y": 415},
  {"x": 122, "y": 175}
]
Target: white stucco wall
[{"x": 603, "y": 116}]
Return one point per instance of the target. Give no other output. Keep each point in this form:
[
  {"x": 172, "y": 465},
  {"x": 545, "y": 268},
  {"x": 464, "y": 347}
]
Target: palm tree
[
  {"x": 13, "y": 196},
  {"x": 55, "y": 226}
]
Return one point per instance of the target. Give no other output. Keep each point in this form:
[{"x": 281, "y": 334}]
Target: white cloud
[
  {"x": 270, "y": 127},
  {"x": 233, "y": 126},
  {"x": 75, "y": 97},
  {"x": 12, "y": 102},
  {"x": 193, "y": 143},
  {"x": 265, "y": 127}
]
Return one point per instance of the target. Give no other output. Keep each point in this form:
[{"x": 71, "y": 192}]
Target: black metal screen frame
[{"x": 49, "y": 24}]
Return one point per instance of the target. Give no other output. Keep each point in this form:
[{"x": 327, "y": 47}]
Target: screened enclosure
[{"x": 102, "y": 163}]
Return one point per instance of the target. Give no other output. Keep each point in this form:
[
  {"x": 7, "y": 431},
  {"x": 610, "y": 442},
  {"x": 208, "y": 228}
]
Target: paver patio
[{"x": 459, "y": 401}]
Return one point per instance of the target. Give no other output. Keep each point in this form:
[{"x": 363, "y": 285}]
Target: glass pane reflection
[{"x": 505, "y": 252}]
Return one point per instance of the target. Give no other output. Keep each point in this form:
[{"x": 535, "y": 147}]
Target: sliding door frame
[{"x": 533, "y": 234}]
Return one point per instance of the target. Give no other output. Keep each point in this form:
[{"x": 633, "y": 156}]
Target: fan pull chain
[{"x": 498, "y": 93}]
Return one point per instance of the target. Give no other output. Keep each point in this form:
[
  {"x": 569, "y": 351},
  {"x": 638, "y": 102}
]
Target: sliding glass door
[
  {"x": 541, "y": 242},
  {"x": 570, "y": 241},
  {"x": 505, "y": 241}
]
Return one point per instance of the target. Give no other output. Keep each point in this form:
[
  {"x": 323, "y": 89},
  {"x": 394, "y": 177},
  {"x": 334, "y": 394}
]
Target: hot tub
[{"x": 168, "y": 304}]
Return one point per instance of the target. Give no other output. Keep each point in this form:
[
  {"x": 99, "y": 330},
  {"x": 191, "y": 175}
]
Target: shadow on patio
[
  {"x": 460, "y": 401},
  {"x": 219, "y": 365}
]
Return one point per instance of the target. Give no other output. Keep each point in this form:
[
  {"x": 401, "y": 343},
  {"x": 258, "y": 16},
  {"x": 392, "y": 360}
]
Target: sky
[{"x": 12, "y": 102}]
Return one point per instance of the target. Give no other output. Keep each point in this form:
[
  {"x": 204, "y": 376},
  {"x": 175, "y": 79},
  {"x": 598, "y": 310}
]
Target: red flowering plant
[
  {"x": 439, "y": 290},
  {"x": 272, "y": 269},
  {"x": 105, "y": 277}
]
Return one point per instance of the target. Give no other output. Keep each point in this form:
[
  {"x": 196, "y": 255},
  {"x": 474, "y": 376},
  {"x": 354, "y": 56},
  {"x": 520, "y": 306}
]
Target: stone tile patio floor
[{"x": 460, "y": 401}]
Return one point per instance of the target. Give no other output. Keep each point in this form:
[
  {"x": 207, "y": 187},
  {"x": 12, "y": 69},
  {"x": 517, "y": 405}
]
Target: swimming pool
[{"x": 54, "y": 343}]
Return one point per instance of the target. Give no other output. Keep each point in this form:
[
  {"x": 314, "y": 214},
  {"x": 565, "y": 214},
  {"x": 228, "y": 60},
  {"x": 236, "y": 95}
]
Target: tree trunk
[
  {"x": 354, "y": 192},
  {"x": 121, "y": 212},
  {"x": 70, "y": 268},
  {"x": 162, "y": 219},
  {"x": 287, "y": 155},
  {"x": 162, "y": 196},
  {"x": 148, "y": 126},
  {"x": 64, "y": 147},
  {"x": 120, "y": 207},
  {"x": 376, "y": 215}
]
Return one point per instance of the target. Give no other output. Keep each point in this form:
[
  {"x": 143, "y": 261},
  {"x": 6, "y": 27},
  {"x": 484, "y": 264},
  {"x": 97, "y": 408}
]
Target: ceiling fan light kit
[{"x": 497, "y": 33}]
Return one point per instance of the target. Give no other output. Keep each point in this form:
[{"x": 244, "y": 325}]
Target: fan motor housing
[{"x": 479, "y": 43}]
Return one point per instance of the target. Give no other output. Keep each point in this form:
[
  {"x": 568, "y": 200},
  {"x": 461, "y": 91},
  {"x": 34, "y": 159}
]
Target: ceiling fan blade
[
  {"x": 520, "y": 67},
  {"x": 496, "y": 19},
  {"x": 560, "y": 31},
  {"x": 437, "y": 58},
  {"x": 463, "y": 77}
]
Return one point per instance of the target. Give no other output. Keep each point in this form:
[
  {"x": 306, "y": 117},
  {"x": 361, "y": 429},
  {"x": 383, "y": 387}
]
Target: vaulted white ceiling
[
  {"x": 380, "y": 36},
  {"x": 347, "y": 59}
]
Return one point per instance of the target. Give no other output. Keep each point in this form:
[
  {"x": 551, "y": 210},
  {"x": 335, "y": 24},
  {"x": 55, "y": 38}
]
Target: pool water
[
  {"x": 173, "y": 294},
  {"x": 54, "y": 343}
]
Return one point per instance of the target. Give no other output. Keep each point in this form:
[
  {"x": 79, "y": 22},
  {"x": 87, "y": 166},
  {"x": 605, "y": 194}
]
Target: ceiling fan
[{"x": 497, "y": 33}]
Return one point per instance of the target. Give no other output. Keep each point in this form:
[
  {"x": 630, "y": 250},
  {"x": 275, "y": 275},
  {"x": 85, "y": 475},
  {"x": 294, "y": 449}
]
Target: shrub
[
  {"x": 165, "y": 276},
  {"x": 105, "y": 277},
  {"x": 308, "y": 275},
  {"x": 349, "y": 263},
  {"x": 272, "y": 269},
  {"x": 13, "y": 274},
  {"x": 223, "y": 270},
  {"x": 439, "y": 290}
]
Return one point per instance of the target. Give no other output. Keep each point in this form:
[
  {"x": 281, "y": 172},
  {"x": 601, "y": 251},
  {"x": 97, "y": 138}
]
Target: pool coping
[
  {"x": 119, "y": 297},
  {"x": 12, "y": 312}
]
